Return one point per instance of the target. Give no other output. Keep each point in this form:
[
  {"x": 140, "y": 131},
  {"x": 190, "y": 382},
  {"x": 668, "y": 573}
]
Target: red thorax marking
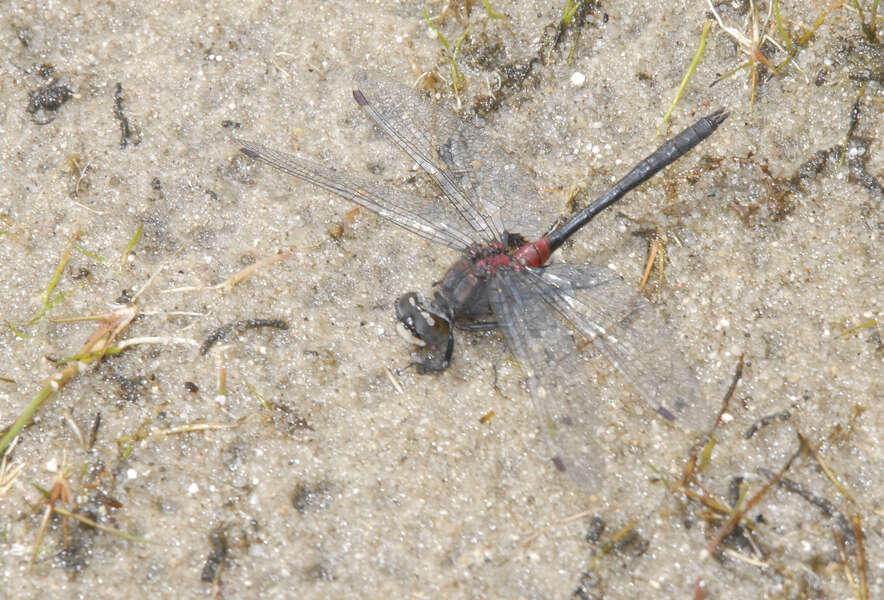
[{"x": 533, "y": 254}]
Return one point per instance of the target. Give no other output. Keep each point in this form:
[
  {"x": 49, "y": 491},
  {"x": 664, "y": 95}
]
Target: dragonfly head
[{"x": 427, "y": 326}]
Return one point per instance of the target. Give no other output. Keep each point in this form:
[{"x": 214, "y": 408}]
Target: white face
[{"x": 407, "y": 335}]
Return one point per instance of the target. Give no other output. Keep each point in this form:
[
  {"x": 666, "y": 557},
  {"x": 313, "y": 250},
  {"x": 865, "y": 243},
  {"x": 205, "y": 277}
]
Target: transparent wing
[
  {"x": 422, "y": 216},
  {"x": 630, "y": 333},
  {"x": 563, "y": 397},
  {"x": 489, "y": 188}
]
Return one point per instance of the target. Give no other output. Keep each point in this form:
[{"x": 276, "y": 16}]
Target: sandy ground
[{"x": 332, "y": 475}]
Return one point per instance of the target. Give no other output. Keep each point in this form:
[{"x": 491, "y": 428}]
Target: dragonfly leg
[{"x": 477, "y": 326}]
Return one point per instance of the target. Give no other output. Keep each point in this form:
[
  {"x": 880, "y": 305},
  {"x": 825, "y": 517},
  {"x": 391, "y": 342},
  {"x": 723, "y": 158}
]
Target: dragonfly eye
[
  {"x": 424, "y": 324},
  {"x": 427, "y": 327}
]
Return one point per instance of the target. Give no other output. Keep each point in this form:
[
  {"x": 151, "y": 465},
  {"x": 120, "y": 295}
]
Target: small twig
[
  {"x": 707, "y": 501},
  {"x": 765, "y": 421},
  {"x": 829, "y": 473},
  {"x": 128, "y": 537},
  {"x": 739, "y": 515},
  {"x": 60, "y": 491},
  {"x": 575, "y": 517},
  {"x": 396, "y": 385},
  {"x": 238, "y": 326},
  {"x": 111, "y": 350},
  {"x": 851, "y": 125},
  {"x": 701, "y": 457},
  {"x": 612, "y": 543},
  {"x": 154, "y": 275},
  {"x": 260, "y": 398},
  {"x": 93, "y": 433},
  {"x": 656, "y": 248},
  {"x": 842, "y": 554},
  {"x": 192, "y": 427},
  {"x": 222, "y": 377},
  {"x": 746, "y": 559},
  {"x": 166, "y": 339},
  {"x": 72, "y": 423},
  {"x": 8, "y": 474},
  {"x": 861, "y": 326},
  {"x": 861, "y": 568},
  {"x": 738, "y": 374},
  {"x": 234, "y": 279}
]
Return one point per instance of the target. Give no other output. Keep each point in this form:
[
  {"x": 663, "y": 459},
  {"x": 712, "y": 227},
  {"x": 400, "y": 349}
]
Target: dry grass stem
[{"x": 234, "y": 279}]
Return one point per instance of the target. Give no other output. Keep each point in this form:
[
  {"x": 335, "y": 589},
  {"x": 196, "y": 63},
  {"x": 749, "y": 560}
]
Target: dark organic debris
[
  {"x": 217, "y": 556},
  {"x": 596, "y": 529},
  {"x": 734, "y": 489},
  {"x": 576, "y": 20},
  {"x": 93, "y": 434},
  {"x": 778, "y": 203},
  {"x": 828, "y": 509},
  {"x": 727, "y": 528},
  {"x": 856, "y": 156},
  {"x": 288, "y": 420},
  {"x": 77, "y": 552},
  {"x": 311, "y": 496},
  {"x": 631, "y": 546},
  {"x": 132, "y": 389},
  {"x": 48, "y": 99},
  {"x": 238, "y": 169},
  {"x": 586, "y": 587},
  {"x": 765, "y": 421},
  {"x": 867, "y": 75},
  {"x": 101, "y": 499},
  {"x": 126, "y": 132},
  {"x": 237, "y": 327},
  {"x": 81, "y": 273},
  {"x": 320, "y": 571},
  {"x": 513, "y": 76}
]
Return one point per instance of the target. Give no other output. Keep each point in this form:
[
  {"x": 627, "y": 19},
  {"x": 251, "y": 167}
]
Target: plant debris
[
  {"x": 126, "y": 132},
  {"x": 47, "y": 100},
  {"x": 224, "y": 331}
]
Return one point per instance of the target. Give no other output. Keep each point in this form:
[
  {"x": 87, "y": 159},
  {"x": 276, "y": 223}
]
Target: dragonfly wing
[
  {"x": 631, "y": 334},
  {"x": 491, "y": 189},
  {"x": 562, "y": 395},
  {"x": 422, "y": 216}
]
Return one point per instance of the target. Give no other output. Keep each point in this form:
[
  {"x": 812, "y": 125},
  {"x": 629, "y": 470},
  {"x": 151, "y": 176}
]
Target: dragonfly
[{"x": 547, "y": 312}]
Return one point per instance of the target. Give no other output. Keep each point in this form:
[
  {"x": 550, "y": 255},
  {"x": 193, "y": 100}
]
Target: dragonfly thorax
[{"x": 461, "y": 296}]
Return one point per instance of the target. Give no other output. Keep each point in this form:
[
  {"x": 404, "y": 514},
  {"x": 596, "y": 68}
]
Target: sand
[{"x": 322, "y": 471}]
